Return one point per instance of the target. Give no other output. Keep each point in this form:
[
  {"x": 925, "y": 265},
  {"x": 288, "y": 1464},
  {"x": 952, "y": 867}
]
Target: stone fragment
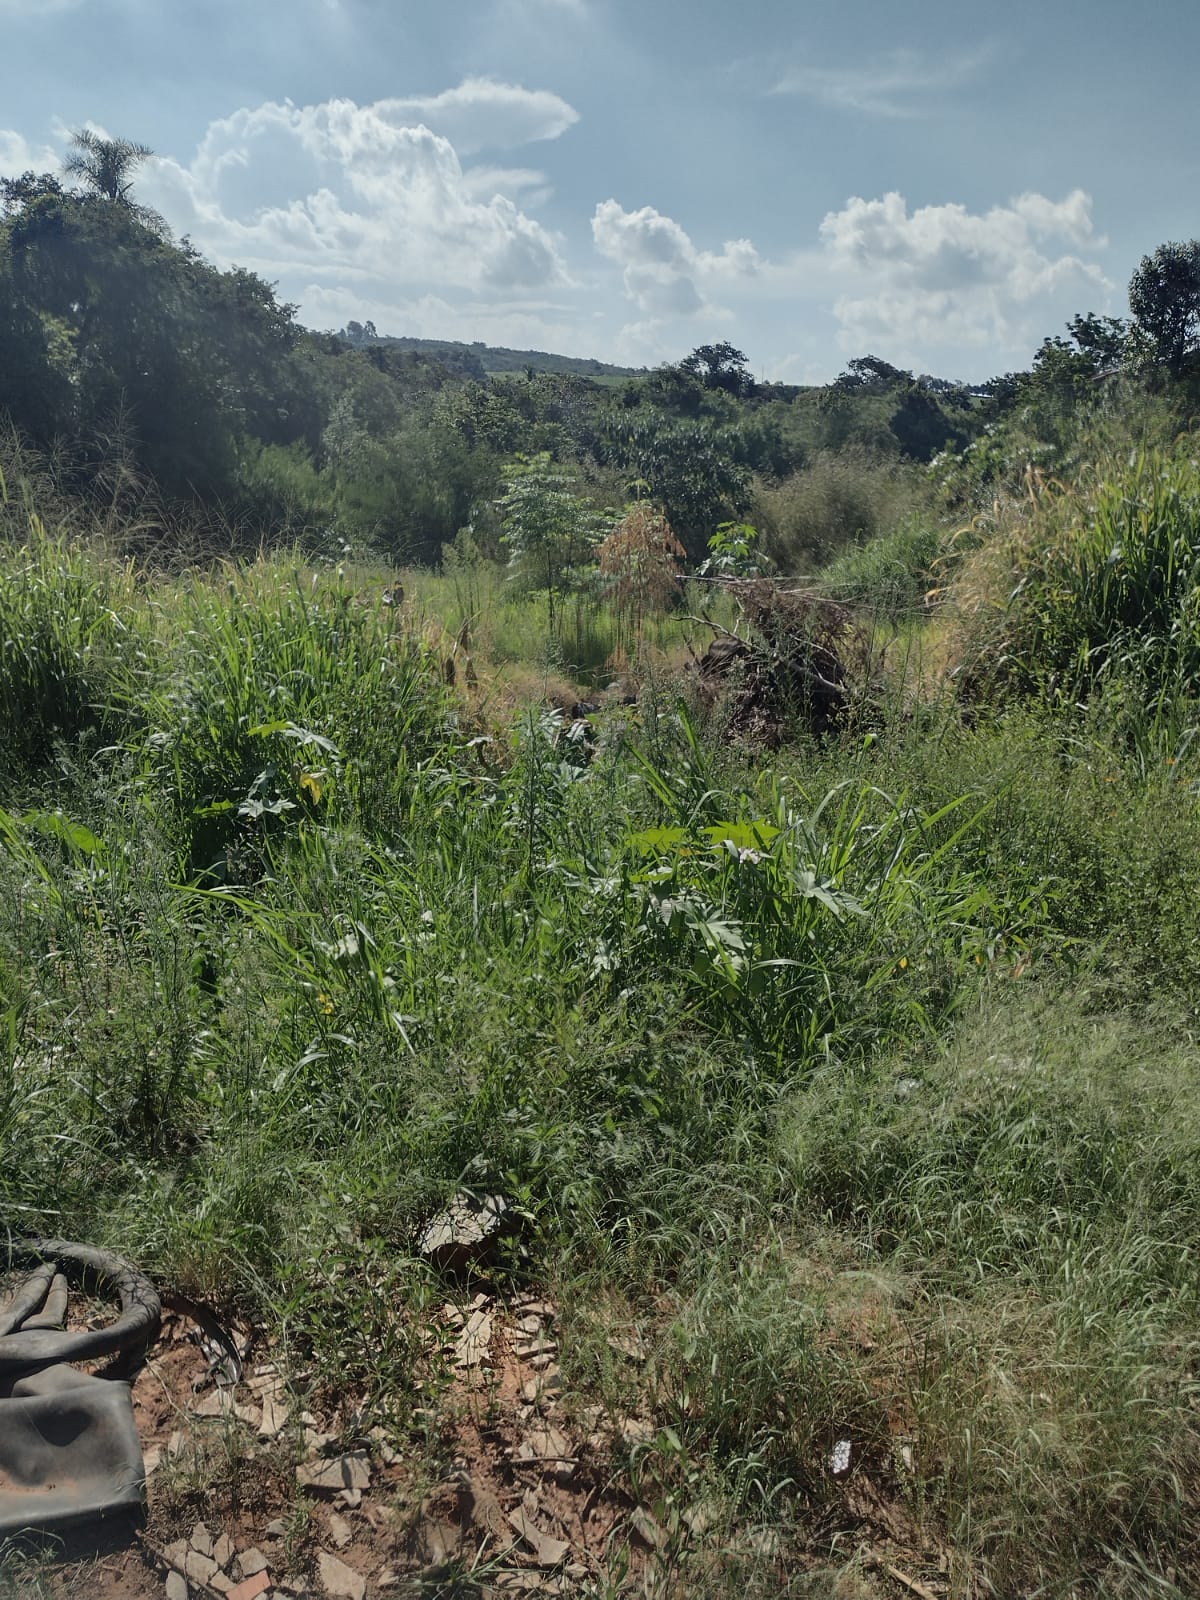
[
  {"x": 177, "y": 1588},
  {"x": 387, "y": 1579},
  {"x": 647, "y": 1530},
  {"x": 220, "y": 1582},
  {"x": 250, "y": 1588},
  {"x": 386, "y": 1452},
  {"x": 340, "y": 1531},
  {"x": 547, "y": 1551},
  {"x": 464, "y": 1233},
  {"x": 338, "y": 1580},
  {"x": 473, "y": 1342},
  {"x": 200, "y": 1569},
  {"x": 273, "y": 1530},
  {"x": 545, "y": 1442},
  {"x": 251, "y": 1562},
  {"x": 175, "y": 1444},
  {"x": 202, "y": 1540},
  {"x": 176, "y": 1554},
  {"x": 216, "y": 1403},
  {"x": 440, "y": 1543},
  {"x": 350, "y": 1498},
  {"x": 152, "y": 1459},
  {"x": 352, "y": 1471},
  {"x": 222, "y": 1550},
  {"x": 545, "y": 1386},
  {"x": 274, "y": 1418}
]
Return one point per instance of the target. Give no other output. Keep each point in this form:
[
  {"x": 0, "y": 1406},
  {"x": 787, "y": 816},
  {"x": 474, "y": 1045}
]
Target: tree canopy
[{"x": 1164, "y": 296}]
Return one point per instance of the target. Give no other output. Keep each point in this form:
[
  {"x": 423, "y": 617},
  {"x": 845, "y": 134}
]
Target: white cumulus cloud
[
  {"x": 943, "y": 275},
  {"x": 354, "y": 193},
  {"x": 18, "y": 155},
  {"x": 663, "y": 271}
]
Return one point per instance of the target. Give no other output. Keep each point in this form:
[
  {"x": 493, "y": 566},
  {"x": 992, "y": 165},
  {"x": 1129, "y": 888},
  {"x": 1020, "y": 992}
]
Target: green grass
[{"x": 863, "y": 1080}]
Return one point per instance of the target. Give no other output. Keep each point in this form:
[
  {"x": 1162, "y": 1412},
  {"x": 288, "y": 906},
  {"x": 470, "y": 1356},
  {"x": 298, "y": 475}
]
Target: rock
[
  {"x": 152, "y": 1459},
  {"x": 251, "y": 1587},
  {"x": 202, "y": 1540},
  {"x": 387, "y": 1579},
  {"x": 338, "y": 1580},
  {"x": 175, "y": 1444},
  {"x": 251, "y": 1562},
  {"x": 440, "y": 1543},
  {"x": 350, "y": 1498},
  {"x": 273, "y": 1530},
  {"x": 222, "y": 1550},
  {"x": 176, "y": 1554},
  {"x": 647, "y": 1530},
  {"x": 216, "y": 1403},
  {"x": 540, "y": 1344},
  {"x": 352, "y": 1471},
  {"x": 472, "y": 1343},
  {"x": 386, "y": 1452},
  {"x": 220, "y": 1582},
  {"x": 549, "y": 1552},
  {"x": 545, "y": 1386},
  {"x": 340, "y": 1531},
  {"x": 545, "y": 1442},
  {"x": 635, "y": 1431},
  {"x": 177, "y": 1588},
  {"x": 274, "y": 1418},
  {"x": 463, "y": 1234},
  {"x": 200, "y": 1569}
]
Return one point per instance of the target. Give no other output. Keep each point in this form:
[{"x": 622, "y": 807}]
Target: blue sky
[{"x": 938, "y": 184}]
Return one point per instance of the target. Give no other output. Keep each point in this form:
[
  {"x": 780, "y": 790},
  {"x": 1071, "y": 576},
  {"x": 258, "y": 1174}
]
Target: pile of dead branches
[{"x": 785, "y": 670}]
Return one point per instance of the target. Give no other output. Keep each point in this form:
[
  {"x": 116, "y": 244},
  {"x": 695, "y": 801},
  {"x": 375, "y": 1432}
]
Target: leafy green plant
[{"x": 550, "y": 532}]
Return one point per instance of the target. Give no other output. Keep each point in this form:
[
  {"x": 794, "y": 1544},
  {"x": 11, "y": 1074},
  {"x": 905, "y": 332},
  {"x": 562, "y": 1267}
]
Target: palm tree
[{"x": 105, "y": 165}]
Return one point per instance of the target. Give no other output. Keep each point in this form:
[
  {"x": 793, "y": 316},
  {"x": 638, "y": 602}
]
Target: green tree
[
  {"x": 106, "y": 166},
  {"x": 720, "y": 366},
  {"x": 549, "y": 531},
  {"x": 690, "y": 467},
  {"x": 1164, "y": 296}
]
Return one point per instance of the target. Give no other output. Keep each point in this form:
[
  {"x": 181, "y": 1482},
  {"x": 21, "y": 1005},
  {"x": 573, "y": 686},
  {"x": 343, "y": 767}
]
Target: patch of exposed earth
[{"x": 250, "y": 1496}]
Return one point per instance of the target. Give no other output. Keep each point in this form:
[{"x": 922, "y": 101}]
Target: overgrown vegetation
[{"x": 861, "y": 1079}]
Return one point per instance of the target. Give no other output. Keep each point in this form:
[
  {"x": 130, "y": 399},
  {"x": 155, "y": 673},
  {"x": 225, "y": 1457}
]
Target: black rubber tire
[{"x": 134, "y": 1329}]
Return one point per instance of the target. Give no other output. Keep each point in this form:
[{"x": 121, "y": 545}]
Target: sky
[{"x": 939, "y": 184}]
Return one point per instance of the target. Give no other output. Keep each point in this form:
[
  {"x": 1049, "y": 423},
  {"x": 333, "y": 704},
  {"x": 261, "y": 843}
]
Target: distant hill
[{"x": 479, "y": 359}]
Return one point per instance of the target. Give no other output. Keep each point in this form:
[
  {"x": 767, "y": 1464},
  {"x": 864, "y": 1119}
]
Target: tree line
[{"x": 116, "y": 336}]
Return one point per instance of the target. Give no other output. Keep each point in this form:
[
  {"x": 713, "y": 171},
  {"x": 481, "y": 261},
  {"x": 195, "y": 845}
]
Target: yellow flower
[{"x": 326, "y": 1004}]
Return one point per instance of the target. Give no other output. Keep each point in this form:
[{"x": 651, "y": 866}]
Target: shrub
[
  {"x": 836, "y": 501},
  {"x": 1081, "y": 590}
]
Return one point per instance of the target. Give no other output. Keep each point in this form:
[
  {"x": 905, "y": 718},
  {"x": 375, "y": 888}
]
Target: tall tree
[
  {"x": 1164, "y": 296},
  {"x": 106, "y": 166}
]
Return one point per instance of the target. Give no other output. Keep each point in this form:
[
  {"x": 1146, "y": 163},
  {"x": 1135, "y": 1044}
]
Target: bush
[
  {"x": 838, "y": 500},
  {"x": 890, "y": 574},
  {"x": 1084, "y": 590}
]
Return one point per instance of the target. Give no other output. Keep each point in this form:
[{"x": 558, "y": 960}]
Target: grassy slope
[{"x": 866, "y": 1081}]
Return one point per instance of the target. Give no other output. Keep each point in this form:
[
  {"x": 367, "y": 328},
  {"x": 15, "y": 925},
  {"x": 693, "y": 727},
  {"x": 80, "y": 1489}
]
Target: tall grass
[
  {"x": 840, "y": 1074},
  {"x": 1084, "y": 589}
]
